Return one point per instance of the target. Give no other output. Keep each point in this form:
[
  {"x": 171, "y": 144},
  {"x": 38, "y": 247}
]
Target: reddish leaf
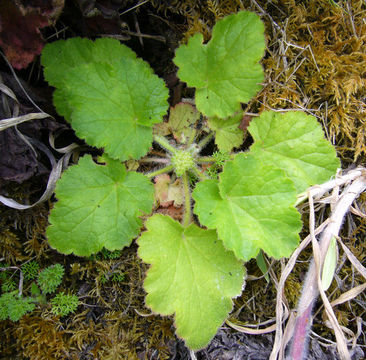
[
  {"x": 161, "y": 189},
  {"x": 48, "y": 8},
  {"x": 172, "y": 211},
  {"x": 168, "y": 193},
  {"x": 20, "y": 22},
  {"x": 245, "y": 122}
]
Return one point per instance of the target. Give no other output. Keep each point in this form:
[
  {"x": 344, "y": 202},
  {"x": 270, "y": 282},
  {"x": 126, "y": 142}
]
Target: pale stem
[
  {"x": 163, "y": 170},
  {"x": 205, "y": 140},
  {"x": 163, "y": 142},
  {"x": 187, "y": 218},
  {"x": 155, "y": 160}
]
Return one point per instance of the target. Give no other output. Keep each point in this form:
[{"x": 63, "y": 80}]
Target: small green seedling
[
  {"x": 50, "y": 278},
  {"x": 64, "y": 304},
  {"x": 30, "y": 270},
  {"x": 244, "y": 204},
  {"x": 14, "y": 305}
]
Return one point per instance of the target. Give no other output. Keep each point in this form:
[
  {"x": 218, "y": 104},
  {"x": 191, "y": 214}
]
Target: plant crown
[{"x": 113, "y": 100}]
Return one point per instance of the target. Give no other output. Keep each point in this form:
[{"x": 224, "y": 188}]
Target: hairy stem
[
  {"x": 187, "y": 218},
  {"x": 163, "y": 142},
  {"x": 155, "y": 160},
  {"x": 311, "y": 288},
  {"x": 163, "y": 170},
  {"x": 205, "y": 140}
]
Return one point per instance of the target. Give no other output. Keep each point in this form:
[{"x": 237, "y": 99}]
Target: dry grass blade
[
  {"x": 20, "y": 84},
  {"x": 134, "y": 7},
  {"x": 247, "y": 330},
  {"x": 349, "y": 295},
  {"x": 64, "y": 150},
  {"x": 279, "y": 344},
  {"x": 354, "y": 183},
  {"x": 6, "y": 90},
  {"x": 54, "y": 176},
  {"x": 360, "y": 268},
  {"x": 192, "y": 354},
  {"x": 7, "y": 123},
  {"x": 317, "y": 191},
  {"x": 319, "y": 257}
]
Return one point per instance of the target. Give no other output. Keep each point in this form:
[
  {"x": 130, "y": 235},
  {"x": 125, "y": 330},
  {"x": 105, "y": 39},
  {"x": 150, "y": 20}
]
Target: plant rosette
[
  {"x": 114, "y": 101},
  {"x": 183, "y": 161}
]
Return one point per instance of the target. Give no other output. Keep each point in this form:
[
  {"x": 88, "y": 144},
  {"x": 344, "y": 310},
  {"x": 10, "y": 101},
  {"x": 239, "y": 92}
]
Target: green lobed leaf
[
  {"x": 294, "y": 142},
  {"x": 227, "y": 132},
  {"x": 61, "y": 56},
  {"x": 98, "y": 206},
  {"x": 111, "y": 97},
  {"x": 252, "y": 208},
  {"x": 191, "y": 275},
  {"x": 225, "y": 71}
]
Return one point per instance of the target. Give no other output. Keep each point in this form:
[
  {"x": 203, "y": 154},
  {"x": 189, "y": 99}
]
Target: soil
[{"x": 315, "y": 60}]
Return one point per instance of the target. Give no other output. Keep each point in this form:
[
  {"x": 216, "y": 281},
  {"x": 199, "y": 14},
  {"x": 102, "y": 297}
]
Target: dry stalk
[{"x": 354, "y": 183}]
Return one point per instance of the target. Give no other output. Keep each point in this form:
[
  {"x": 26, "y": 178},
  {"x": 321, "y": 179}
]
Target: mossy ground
[{"x": 315, "y": 61}]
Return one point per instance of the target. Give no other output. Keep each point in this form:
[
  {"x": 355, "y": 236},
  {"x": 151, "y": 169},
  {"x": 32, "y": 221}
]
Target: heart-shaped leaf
[
  {"x": 191, "y": 276},
  {"x": 294, "y": 142},
  {"x": 252, "y": 208},
  {"x": 98, "y": 206},
  {"x": 225, "y": 71},
  {"x": 111, "y": 98}
]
